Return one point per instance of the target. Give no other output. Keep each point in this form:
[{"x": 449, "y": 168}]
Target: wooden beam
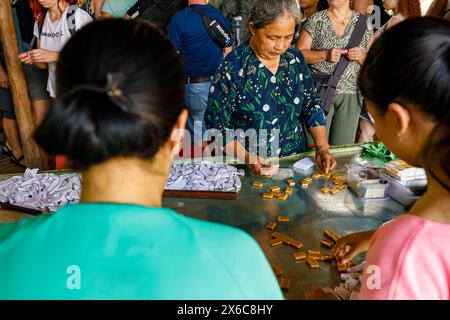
[{"x": 18, "y": 86}]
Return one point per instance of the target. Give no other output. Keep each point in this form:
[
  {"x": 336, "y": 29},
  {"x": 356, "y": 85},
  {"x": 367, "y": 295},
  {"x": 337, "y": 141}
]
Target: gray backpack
[{"x": 237, "y": 12}]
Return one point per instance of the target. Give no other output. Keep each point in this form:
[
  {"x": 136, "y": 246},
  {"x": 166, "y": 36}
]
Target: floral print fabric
[{"x": 246, "y": 95}]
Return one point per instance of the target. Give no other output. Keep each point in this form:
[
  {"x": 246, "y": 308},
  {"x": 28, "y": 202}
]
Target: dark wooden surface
[{"x": 7, "y": 167}]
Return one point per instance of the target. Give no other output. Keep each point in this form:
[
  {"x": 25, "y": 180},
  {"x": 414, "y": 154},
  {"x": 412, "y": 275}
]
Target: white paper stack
[
  {"x": 404, "y": 173},
  {"x": 304, "y": 164}
]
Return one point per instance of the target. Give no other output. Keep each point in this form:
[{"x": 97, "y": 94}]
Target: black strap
[
  {"x": 239, "y": 7},
  {"x": 355, "y": 40},
  {"x": 445, "y": 13},
  {"x": 201, "y": 14}
]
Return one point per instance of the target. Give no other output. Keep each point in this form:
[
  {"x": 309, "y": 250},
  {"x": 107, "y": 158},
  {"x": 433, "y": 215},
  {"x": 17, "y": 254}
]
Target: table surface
[{"x": 309, "y": 211}]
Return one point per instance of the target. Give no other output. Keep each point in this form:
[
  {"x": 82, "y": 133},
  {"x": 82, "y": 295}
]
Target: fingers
[
  {"x": 319, "y": 162},
  {"x": 266, "y": 164},
  {"x": 338, "y": 250},
  {"x": 350, "y": 254},
  {"x": 342, "y": 246},
  {"x": 326, "y": 164},
  {"x": 269, "y": 171},
  {"x": 335, "y": 250},
  {"x": 335, "y": 54},
  {"x": 325, "y": 161},
  {"x": 333, "y": 164},
  {"x": 37, "y": 57},
  {"x": 26, "y": 57},
  {"x": 354, "y": 53}
]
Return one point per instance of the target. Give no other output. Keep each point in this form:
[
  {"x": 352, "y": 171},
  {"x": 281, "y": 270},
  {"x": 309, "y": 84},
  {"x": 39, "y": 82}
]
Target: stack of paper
[
  {"x": 403, "y": 172},
  {"x": 304, "y": 164}
]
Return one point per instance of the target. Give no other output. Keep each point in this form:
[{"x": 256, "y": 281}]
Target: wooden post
[{"x": 18, "y": 86}]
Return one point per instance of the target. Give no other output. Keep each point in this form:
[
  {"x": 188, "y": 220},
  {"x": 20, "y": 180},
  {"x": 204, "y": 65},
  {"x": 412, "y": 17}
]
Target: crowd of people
[
  {"x": 322, "y": 31},
  {"x": 120, "y": 90}
]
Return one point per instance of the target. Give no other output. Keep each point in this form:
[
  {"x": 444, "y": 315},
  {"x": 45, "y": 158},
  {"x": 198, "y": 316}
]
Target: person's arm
[
  {"x": 257, "y": 164},
  {"x": 392, "y": 22},
  {"x": 105, "y": 11},
  {"x": 3, "y": 78},
  {"x": 304, "y": 43},
  {"x": 29, "y": 57},
  {"x": 314, "y": 118},
  {"x": 39, "y": 57},
  {"x": 105, "y": 15},
  {"x": 437, "y": 8},
  {"x": 324, "y": 158},
  {"x": 98, "y": 5},
  {"x": 352, "y": 244}
]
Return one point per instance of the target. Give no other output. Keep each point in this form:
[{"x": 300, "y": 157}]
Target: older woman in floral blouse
[{"x": 266, "y": 85}]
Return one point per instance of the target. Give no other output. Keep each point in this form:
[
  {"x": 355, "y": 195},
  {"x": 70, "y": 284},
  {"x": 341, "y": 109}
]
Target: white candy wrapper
[
  {"x": 49, "y": 191},
  {"x": 205, "y": 176},
  {"x": 41, "y": 191}
]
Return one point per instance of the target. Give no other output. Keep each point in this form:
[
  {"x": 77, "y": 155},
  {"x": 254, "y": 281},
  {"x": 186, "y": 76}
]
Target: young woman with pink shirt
[{"x": 406, "y": 81}]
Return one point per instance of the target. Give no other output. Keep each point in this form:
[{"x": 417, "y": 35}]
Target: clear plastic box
[
  {"x": 399, "y": 192},
  {"x": 367, "y": 184}
]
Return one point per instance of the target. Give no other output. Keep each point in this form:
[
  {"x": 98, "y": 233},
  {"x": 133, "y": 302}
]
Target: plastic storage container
[
  {"x": 367, "y": 184},
  {"x": 399, "y": 192}
]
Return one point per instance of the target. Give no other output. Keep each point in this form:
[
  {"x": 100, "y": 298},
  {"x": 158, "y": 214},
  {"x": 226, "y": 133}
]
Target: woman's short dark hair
[
  {"x": 410, "y": 64},
  {"x": 131, "y": 114}
]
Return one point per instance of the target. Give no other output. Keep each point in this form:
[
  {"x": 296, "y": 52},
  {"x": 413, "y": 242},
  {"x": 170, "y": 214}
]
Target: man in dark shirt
[{"x": 201, "y": 57}]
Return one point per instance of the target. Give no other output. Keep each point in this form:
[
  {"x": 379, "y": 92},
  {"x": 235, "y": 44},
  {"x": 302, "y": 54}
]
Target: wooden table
[{"x": 309, "y": 212}]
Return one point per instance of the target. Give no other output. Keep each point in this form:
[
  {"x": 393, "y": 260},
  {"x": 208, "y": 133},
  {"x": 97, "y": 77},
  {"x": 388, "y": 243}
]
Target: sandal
[
  {"x": 16, "y": 161},
  {"x": 6, "y": 150}
]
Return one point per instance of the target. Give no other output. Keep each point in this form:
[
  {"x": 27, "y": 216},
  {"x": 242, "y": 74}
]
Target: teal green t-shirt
[
  {"x": 117, "y": 8},
  {"x": 113, "y": 251}
]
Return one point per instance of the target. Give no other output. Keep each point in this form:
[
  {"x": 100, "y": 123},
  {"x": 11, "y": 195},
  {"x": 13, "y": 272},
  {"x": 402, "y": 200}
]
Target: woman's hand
[
  {"x": 355, "y": 54},
  {"x": 39, "y": 56},
  {"x": 334, "y": 55},
  {"x": 349, "y": 246},
  {"x": 325, "y": 160},
  {"x": 262, "y": 167},
  {"x": 3, "y": 79},
  {"x": 25, "y": 57}
]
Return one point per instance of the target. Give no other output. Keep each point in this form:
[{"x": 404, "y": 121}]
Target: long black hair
[
  {"x": 120, "y": 89},
  {"x": 410, "y": 63}
]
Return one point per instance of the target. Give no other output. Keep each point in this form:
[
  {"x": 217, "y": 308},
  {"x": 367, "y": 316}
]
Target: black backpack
[{"x": 159, "y": 12}]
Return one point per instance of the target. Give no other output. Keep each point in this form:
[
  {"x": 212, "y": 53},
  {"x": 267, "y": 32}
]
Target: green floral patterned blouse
[{"x": 246, "y": 95}]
